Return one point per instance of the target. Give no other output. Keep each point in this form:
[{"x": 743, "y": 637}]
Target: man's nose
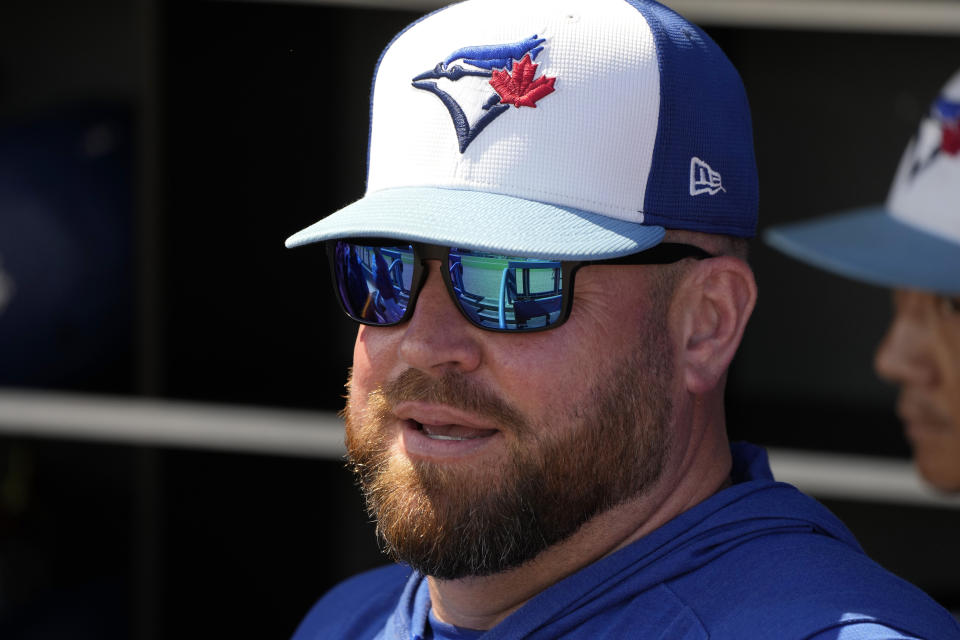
[
  {"x": 437, "y": 338},
  {"x": 905, "y": 356}
]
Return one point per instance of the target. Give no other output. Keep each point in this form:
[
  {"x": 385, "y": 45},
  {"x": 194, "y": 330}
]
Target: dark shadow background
[{"x": 154, "y": 156}]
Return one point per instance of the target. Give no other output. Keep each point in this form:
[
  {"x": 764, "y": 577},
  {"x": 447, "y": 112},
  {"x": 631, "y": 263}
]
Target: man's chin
[
  {"x": 446, "y": 488},
  {"x": 442, "y": 530},
  {"x": 936, "y": 461}
]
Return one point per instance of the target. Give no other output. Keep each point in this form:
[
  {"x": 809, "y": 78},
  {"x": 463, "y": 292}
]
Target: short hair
[
  {"x": 717, "y": 244},
  {"x": 669, "y": 276}
]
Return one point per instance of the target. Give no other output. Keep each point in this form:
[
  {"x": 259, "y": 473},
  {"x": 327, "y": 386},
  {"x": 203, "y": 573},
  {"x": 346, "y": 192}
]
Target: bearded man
[{"x": 549, "y": 272}]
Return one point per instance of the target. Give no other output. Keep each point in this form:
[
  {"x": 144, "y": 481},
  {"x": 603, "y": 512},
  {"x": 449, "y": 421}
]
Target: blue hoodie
[{"x": 757, "y": 560}]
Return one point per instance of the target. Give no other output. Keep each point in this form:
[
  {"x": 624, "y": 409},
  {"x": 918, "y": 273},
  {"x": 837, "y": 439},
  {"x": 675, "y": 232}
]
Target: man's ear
[{"x": 714, "y": 300}]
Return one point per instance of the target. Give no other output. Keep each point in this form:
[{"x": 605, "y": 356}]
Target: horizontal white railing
[
  {"x": 854, "y": 477},
  {"x": 892, "y": 16},
  {"x": 169, "y": 423},
  {"x": 316, "y": 434}
]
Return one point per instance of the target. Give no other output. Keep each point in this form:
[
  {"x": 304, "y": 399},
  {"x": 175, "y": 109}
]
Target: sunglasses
[{"x": 377, "y": 281}]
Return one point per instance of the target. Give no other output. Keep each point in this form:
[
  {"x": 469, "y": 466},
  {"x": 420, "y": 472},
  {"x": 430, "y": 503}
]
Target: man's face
[
  {"x": 921, "y": 353},
  {"x": 477, "y": 450}
]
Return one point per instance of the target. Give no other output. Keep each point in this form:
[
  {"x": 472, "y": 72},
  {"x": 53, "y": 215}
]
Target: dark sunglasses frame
[{"x": 664, "y": 253}]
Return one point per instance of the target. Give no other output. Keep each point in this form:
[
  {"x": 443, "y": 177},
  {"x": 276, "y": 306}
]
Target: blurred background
[{"x": 169, "y": 373}]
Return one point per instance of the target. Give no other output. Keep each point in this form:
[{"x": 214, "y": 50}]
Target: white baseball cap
[
  {"x": 568, "y": 129},
  {"x": 913, "y": 241}
]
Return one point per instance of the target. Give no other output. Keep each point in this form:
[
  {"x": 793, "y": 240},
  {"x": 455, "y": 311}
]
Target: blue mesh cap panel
[{"x": 704, "y": 114}]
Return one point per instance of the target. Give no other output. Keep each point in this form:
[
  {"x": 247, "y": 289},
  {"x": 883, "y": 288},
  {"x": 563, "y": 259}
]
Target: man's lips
[
  {"x": 439, "y": 419},
  {"x": 432, "y": 429},
  {"x": 453, "y": 432},
  {"x": 920, "y": 415}
]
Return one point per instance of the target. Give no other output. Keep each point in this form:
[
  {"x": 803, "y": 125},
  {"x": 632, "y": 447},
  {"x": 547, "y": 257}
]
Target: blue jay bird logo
[
  {"x": 464, "y": 76},
  {"x": 946, "y": 115}
]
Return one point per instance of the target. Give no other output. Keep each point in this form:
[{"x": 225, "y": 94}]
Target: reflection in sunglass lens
[
  {"x": 495, "y": 292},
  {"x": 504, "y": 292},
  {"x": 373, "y": 282}
]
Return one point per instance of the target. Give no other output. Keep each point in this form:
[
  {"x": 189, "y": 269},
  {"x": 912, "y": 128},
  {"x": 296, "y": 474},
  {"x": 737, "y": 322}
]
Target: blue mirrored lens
[
  {"x": 506, "y": 292},
  {"x": 374, "y": 282}
]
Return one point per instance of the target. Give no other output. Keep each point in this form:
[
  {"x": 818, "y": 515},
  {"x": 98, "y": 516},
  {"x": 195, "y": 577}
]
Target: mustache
[{"x": 453, "y": 390}]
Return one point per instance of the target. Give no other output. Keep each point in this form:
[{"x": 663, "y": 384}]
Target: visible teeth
[{"x": 429, "y": 432}]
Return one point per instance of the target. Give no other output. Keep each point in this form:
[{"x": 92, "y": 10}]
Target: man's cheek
[
  {"x": 365, "y": 363},
  {"x": 949, "y": 361}
]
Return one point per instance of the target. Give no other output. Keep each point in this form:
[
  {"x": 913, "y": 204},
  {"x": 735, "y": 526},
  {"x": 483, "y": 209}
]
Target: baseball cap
[
  {"x": 911, "y": 242},
  {"x": 569, "y": 129}
]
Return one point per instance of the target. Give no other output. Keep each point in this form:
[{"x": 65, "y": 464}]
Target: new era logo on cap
[{"x": 703, "y": 179}]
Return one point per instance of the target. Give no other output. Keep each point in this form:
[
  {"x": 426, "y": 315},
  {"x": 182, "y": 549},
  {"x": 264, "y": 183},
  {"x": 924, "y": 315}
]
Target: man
[
  {"x": 911, "y": 244},
  {"x": 560, "y": 192}
]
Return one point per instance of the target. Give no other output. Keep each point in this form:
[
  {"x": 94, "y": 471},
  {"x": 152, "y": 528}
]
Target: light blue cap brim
[
  {"x": 483, "y": 221},
  {"x": 871, "y": 246}
]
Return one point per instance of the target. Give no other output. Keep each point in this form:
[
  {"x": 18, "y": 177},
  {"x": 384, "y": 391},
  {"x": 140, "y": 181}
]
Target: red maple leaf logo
[
  {"x": 519, "y": 87},
  {"x": 950, "y": 143}
]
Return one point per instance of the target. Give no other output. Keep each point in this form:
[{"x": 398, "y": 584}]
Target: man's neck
[{"x": 483, "y": 602}]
